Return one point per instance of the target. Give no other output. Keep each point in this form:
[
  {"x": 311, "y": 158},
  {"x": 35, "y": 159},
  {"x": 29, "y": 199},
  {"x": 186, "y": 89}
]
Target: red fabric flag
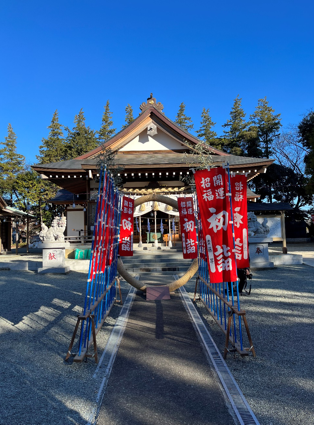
[
  {"x": 201, "y": 240},
  {"x": 212, "y": 189},
  {"x": 188, "y": 232},
  {"x": 126, "y": 230},
  {"x": 113, "y": 230},
  {"x": 239, "y": 208}
]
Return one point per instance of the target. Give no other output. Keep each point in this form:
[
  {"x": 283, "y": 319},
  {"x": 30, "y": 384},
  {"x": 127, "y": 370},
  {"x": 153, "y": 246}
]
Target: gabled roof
[
  {"x": 140, "y": 123},
  {"x": 170, "y": 160}
]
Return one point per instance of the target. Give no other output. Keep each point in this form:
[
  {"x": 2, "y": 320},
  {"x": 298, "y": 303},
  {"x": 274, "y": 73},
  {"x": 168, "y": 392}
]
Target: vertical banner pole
[{"x": 237, "y": 283}]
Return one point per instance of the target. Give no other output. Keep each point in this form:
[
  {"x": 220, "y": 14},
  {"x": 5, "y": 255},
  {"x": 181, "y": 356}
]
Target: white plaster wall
[
  {"x": 143, "y": 142},
  {"x": 274, "y": 223},
  {"x": 75, "y": 220}
]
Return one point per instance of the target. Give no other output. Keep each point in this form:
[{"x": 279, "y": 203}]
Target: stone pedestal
[
  {"x": 54, "y": 260},
  {"x": 259, "y": 257}
]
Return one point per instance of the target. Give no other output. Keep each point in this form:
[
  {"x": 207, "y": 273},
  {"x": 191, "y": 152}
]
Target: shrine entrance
[{"x": 176, "y": 283}]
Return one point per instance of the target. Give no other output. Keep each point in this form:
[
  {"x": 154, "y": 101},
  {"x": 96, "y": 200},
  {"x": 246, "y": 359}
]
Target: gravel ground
[
  {"x": 279, "y": 383},
  {"x": 37, "y": 319}
]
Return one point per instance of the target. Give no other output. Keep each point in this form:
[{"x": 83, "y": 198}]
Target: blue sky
[{"x": 69, "y": 55}]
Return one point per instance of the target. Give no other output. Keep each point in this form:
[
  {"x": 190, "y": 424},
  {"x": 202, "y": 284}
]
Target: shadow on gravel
[
  {"x": 23, "y": 293},
  {"x": 279, "y": 383},
  {"x": 37, "y": 319}
]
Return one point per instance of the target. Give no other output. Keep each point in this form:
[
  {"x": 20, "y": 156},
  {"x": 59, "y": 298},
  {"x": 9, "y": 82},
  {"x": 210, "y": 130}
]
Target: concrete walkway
[{"x": 161, "y": 374}]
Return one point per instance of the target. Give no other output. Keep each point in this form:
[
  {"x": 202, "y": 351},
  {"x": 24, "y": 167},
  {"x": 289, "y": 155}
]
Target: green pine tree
[
  {"x": 236, "y": 129},
  {"x": 80, "y": 139},
  {"x": 206, "y": 133},
  {"x": 183, "y": 120},
  {"x": 128, "y": 116},
  {"x": 11, "y": 164},
  {"x": 52, "y": 148},
  {"x": 33, "y": 192},
  {"x": 252, "y": 146},
  {"x": 106, "y": 131},
  {"x": 306, "y": 137},
  {"x": 266, "y": 126}
]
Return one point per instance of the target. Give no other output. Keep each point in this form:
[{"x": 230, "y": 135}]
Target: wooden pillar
[
  {"x": 283, "y": 231},
  {"x": 27, "y": 233},
  {"x": 9, "y": 234},
  {"x": 86, "y": 227},
  {"x": 140, "y": 223},
  {"x": 1, "y": 246},
  {"x": 16, "y": 237}
]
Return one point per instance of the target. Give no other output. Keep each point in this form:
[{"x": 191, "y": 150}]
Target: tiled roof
[
  {"x": 260, "y": 207},
  {"x": 151, "y": 159}
]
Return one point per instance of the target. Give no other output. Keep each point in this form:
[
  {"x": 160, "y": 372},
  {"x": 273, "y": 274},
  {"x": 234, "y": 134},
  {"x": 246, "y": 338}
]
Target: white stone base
[
  {"x": 62, "y": 270},
  {"x": 258, "y": 248},
  {"x": 286, "y": 259}
]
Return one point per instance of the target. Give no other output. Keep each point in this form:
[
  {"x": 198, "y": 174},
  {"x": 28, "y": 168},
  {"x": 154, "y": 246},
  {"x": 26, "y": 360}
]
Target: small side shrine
[{"x": 8, "y": 217}]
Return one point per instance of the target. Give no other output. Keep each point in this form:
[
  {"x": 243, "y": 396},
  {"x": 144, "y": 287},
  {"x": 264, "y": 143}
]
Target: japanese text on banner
[
  {"x": 239, "y": 207},
  {"x": 212, "y": 188},
  {"x": 126, "y": 229},
  {"x": 188, "y": 231}
]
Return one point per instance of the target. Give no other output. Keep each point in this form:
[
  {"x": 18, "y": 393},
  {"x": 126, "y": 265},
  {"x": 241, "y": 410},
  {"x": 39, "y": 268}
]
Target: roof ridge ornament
[{"x": 151, "y": 101}]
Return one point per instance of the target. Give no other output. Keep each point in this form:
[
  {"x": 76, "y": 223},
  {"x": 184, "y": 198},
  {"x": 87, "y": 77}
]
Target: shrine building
[{"x": 152, "y": 155}]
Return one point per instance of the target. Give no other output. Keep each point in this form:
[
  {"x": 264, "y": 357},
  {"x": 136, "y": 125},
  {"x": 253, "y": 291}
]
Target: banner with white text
[
  {"x": 126, "y": 230},
  {"x": 212, "y": 188},
  {"x": 188, "y": 231},
  {"x": 239, "y": 208}
]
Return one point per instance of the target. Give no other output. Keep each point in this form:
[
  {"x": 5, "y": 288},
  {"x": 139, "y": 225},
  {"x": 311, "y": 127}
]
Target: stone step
[
  {"x": 152, "y": 258},
  {"x": 152, "y": 263},
  {"x": 158, "y": 270}
]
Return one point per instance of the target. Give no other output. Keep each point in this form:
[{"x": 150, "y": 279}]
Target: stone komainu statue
[
  {"x": 55, "y": 233},
  {"x": 255, "y": 228}
]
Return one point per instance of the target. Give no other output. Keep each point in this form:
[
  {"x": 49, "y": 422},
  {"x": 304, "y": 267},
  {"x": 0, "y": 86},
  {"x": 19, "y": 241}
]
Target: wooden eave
[
  {"x": 46, "y": 171},
  {"x": 3, "y": 204}
]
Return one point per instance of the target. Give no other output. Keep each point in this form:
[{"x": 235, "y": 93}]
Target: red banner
[
  {"x": 201, "y": 240},
  {"x": 126, "y": 230},
  {"x": 239, "y": 208},
  {"x": 212, "y": 188},
  {"x": 188, "y": 232}
]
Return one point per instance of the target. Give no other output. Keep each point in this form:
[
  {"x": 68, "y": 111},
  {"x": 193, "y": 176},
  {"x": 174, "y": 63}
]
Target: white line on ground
[
  {"x": 108, "y": 357},
  {"x": 240, "y": 406}
]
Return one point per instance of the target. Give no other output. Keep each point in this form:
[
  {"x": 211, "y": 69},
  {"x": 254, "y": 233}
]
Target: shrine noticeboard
[
  {"x": 240, "y": 222},
  {"x": 188, "y": 231},
  {"x": 126, "y": 229},
  {"x": 212, "y": 188}
]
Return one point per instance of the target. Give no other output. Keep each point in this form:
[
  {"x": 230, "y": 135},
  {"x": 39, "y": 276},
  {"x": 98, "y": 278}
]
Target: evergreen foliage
[
  {"x": 236, "y": 129},
  {"x": 52, "y": 149},
  {"x": 252, "y": 147},
  {"x": 283, "y": 184},
  {"x": 80, "y": 139},
  {"x": 265, "y": 128},
  {"x": 106, "y": 131},
  {"x": 128, "y": 116},
  {"x": 183, "y": 120},
  {"x": 11, "y": 164},
  {"x": 306, "y": 137},
  {"x": 34, "y": 192},
  {"x": 206, "y": 133}
]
